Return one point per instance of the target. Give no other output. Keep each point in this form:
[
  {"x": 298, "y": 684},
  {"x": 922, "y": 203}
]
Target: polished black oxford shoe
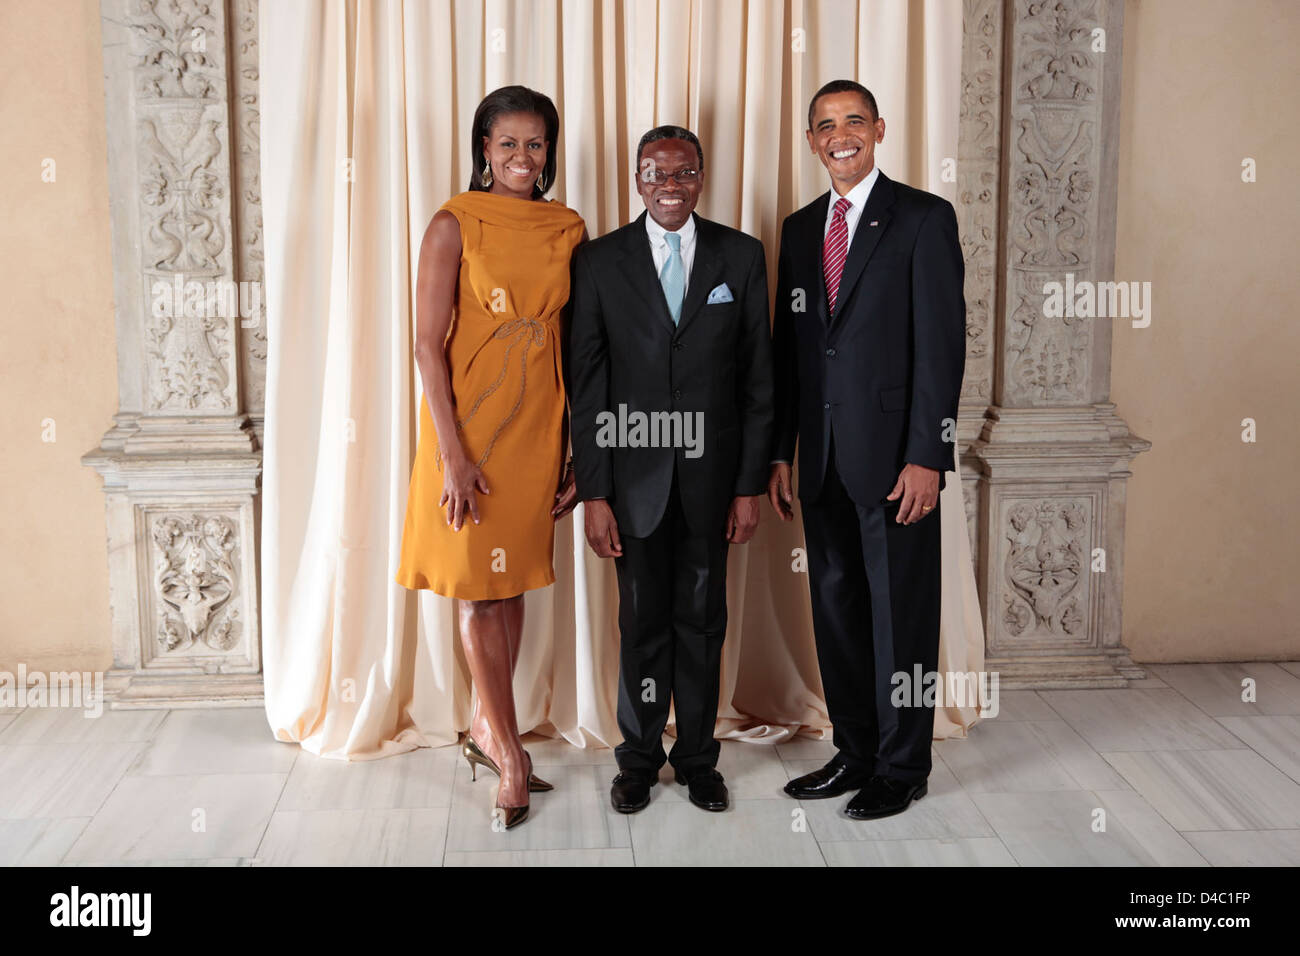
[
  {"x": 630, "y": 790},
  {"x": 885, "y": 796},
  {"x": 705, "y": 787},
  {"x": 831, "y": 780}
]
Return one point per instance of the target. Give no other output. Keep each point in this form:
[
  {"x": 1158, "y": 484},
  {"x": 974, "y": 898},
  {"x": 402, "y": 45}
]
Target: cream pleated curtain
[{"x": 366, "y": 108}]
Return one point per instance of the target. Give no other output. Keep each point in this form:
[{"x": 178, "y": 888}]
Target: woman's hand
[
  {"x": 566, "y": 499},
  {"x": 460, "y": 479}
]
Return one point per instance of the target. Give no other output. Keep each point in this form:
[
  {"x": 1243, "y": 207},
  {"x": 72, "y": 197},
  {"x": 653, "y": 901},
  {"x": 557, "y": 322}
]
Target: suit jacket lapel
[
  {"x": 639, "y": 268},
  {"x": 865, "y": 238},
  {"x": 704, "y": 271},
  {"x": 816, "y": 224}
]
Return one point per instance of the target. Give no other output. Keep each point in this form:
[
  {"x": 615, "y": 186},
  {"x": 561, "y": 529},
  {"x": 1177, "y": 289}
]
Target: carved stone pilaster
[
  {"x": 246, "y": 118},
  {"x": 1052, "y": 454},
  {"x": 979, "y": 153},
  {"x": 182, "y": 462}
]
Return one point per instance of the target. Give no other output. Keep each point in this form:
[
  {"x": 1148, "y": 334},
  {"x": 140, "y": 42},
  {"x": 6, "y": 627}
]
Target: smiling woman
[
  {"x": 489, "y": 481},
  {"x": 513, "y": 130}
]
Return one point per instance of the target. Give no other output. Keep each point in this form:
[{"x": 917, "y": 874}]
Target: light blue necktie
[{"x": 673, "y": 276}]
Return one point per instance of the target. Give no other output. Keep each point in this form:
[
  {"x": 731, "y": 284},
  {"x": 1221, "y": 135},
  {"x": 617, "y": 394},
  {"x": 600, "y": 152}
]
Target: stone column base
[{"x": 182, "y": 563}]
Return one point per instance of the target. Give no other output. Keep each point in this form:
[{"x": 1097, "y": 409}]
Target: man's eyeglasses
[{"x": 657, "y": 177}]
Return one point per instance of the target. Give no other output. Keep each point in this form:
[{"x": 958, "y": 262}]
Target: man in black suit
[
  {"x": 671, "y": 400},
  {"x": 869, "y": 340}
]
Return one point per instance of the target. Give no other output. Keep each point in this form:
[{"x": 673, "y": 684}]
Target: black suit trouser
[
  {"x": 672, "y": 616},
  {"x": 875, "y": 588}
]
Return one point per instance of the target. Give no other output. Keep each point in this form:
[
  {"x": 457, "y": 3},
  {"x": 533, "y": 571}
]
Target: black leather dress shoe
[
  {"x": 885, "y": 796},
  {"x": 830, "y": 781},
  {"x": 705, "y": 787},
  {"x": 630, "y": 790}
]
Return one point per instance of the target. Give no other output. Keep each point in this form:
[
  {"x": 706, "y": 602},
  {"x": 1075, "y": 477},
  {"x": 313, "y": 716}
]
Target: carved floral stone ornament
[
  {"x": 1046, "y": 558},
  {"x": 194, "y": 578}
]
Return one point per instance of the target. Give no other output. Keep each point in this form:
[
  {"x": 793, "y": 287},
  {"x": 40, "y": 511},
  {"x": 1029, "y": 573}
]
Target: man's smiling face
[
  {"x": 669, "y": 203},
  {"x": 844, "y": 135}
]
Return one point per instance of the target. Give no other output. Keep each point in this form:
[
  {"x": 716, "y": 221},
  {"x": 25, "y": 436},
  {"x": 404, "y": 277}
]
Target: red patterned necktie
[{"x": 835, "y": 250}]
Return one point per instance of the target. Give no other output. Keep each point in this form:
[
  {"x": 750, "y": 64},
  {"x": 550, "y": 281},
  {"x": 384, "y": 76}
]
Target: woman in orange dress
[{"x": 490, "y": 477}]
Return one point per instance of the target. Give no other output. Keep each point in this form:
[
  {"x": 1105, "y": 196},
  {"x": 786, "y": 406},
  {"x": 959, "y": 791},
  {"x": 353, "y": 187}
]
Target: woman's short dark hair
[{"x": 513, "y": 99}]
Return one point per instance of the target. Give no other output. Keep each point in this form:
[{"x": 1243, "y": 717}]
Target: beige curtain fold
[{"x": 366, "y": 108}]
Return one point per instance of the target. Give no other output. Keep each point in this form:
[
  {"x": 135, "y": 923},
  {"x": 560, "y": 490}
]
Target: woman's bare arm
[{"x": 438, "y": 273}]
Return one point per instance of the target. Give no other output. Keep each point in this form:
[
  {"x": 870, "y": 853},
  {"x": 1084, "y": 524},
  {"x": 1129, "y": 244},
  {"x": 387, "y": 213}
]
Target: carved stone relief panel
[
  {"x": 1044, "y": 594},
  {"x": 1054, "y": 155},
  {"x": 183, "y": 164},
  {"x": 196, "y": 600}
]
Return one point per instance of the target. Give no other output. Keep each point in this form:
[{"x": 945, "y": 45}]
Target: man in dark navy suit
[
  {"x": 670, "y": 367},
  {"x": 869, "y": 344}
]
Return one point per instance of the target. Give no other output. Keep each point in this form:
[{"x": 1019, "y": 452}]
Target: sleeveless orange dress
[{"x": 503, "y": 354}]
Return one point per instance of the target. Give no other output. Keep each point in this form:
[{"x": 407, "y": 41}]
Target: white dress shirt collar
[
  {"x": 657, "y": 232},
  {"x": 858, "y": 194},
  {"x": 659, "y": 245}
]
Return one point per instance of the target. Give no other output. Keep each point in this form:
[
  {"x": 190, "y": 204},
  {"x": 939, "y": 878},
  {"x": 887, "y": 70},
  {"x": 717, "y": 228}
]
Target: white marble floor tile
[
  {"x": 1276, "y": 739},
  {"x": 1056, "y": 828},
  {"x": 217, "y": 740},
  {"x": 1026, "y": 755},
  {"x": 354, "y": 838},
  {"x": 748, "y": 833},
  {"x": 945, "y": 812},
  {"x": 807, "y": 748},
  {"x": 752, "y": 771},
  {"x": 203, "y": 816},
  {"x": 419, "y": 779},
  {"x": 575, "y": 815},
  {"x": 1248, "y": 847},
  {"x": 220, "y": 861},
  {"x": 1160, "y": 719},
  {"x": 1291, "y": 667},
  {"x": 38, "y": 841},
  {"x": 1212, "y": 789},
  {"x": 1217, "y": 688},
  {"x": 584, "y": 858},
  {"x": 1020, "y": 705},
  {"x": 61, "y": 780},
  {"x": 980, "y": 851},
  {"x": 71, "y": 725},
  {"x": 557, "y": 750}
]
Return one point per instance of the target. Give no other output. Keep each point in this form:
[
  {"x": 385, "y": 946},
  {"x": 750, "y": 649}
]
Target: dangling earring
[
  {"x": 486, "y": 178},
  {"x": 541, "y": 183}
]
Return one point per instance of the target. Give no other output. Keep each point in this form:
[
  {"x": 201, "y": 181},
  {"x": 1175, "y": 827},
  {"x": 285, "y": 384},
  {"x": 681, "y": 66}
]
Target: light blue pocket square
[{"x": 720, "y": 294}]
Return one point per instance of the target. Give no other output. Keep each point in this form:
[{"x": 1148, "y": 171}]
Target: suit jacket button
[
  {"x": 677, "y": 393},
  {"x": 827, "y": 405},
  {"x": 831, "y": 353},
  {"x": 677, "y": 346}
]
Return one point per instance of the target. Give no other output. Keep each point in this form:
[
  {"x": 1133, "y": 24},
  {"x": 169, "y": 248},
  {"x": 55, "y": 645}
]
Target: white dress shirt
[
  {"x": 659, "y": 246},
  {"x": 858, "y": 196}
]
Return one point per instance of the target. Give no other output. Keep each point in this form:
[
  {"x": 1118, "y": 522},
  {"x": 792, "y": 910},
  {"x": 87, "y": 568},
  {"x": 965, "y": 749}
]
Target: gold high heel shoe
[
  {"x": 515, "y": 815},
  {"x": 475, "y": 757}
]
